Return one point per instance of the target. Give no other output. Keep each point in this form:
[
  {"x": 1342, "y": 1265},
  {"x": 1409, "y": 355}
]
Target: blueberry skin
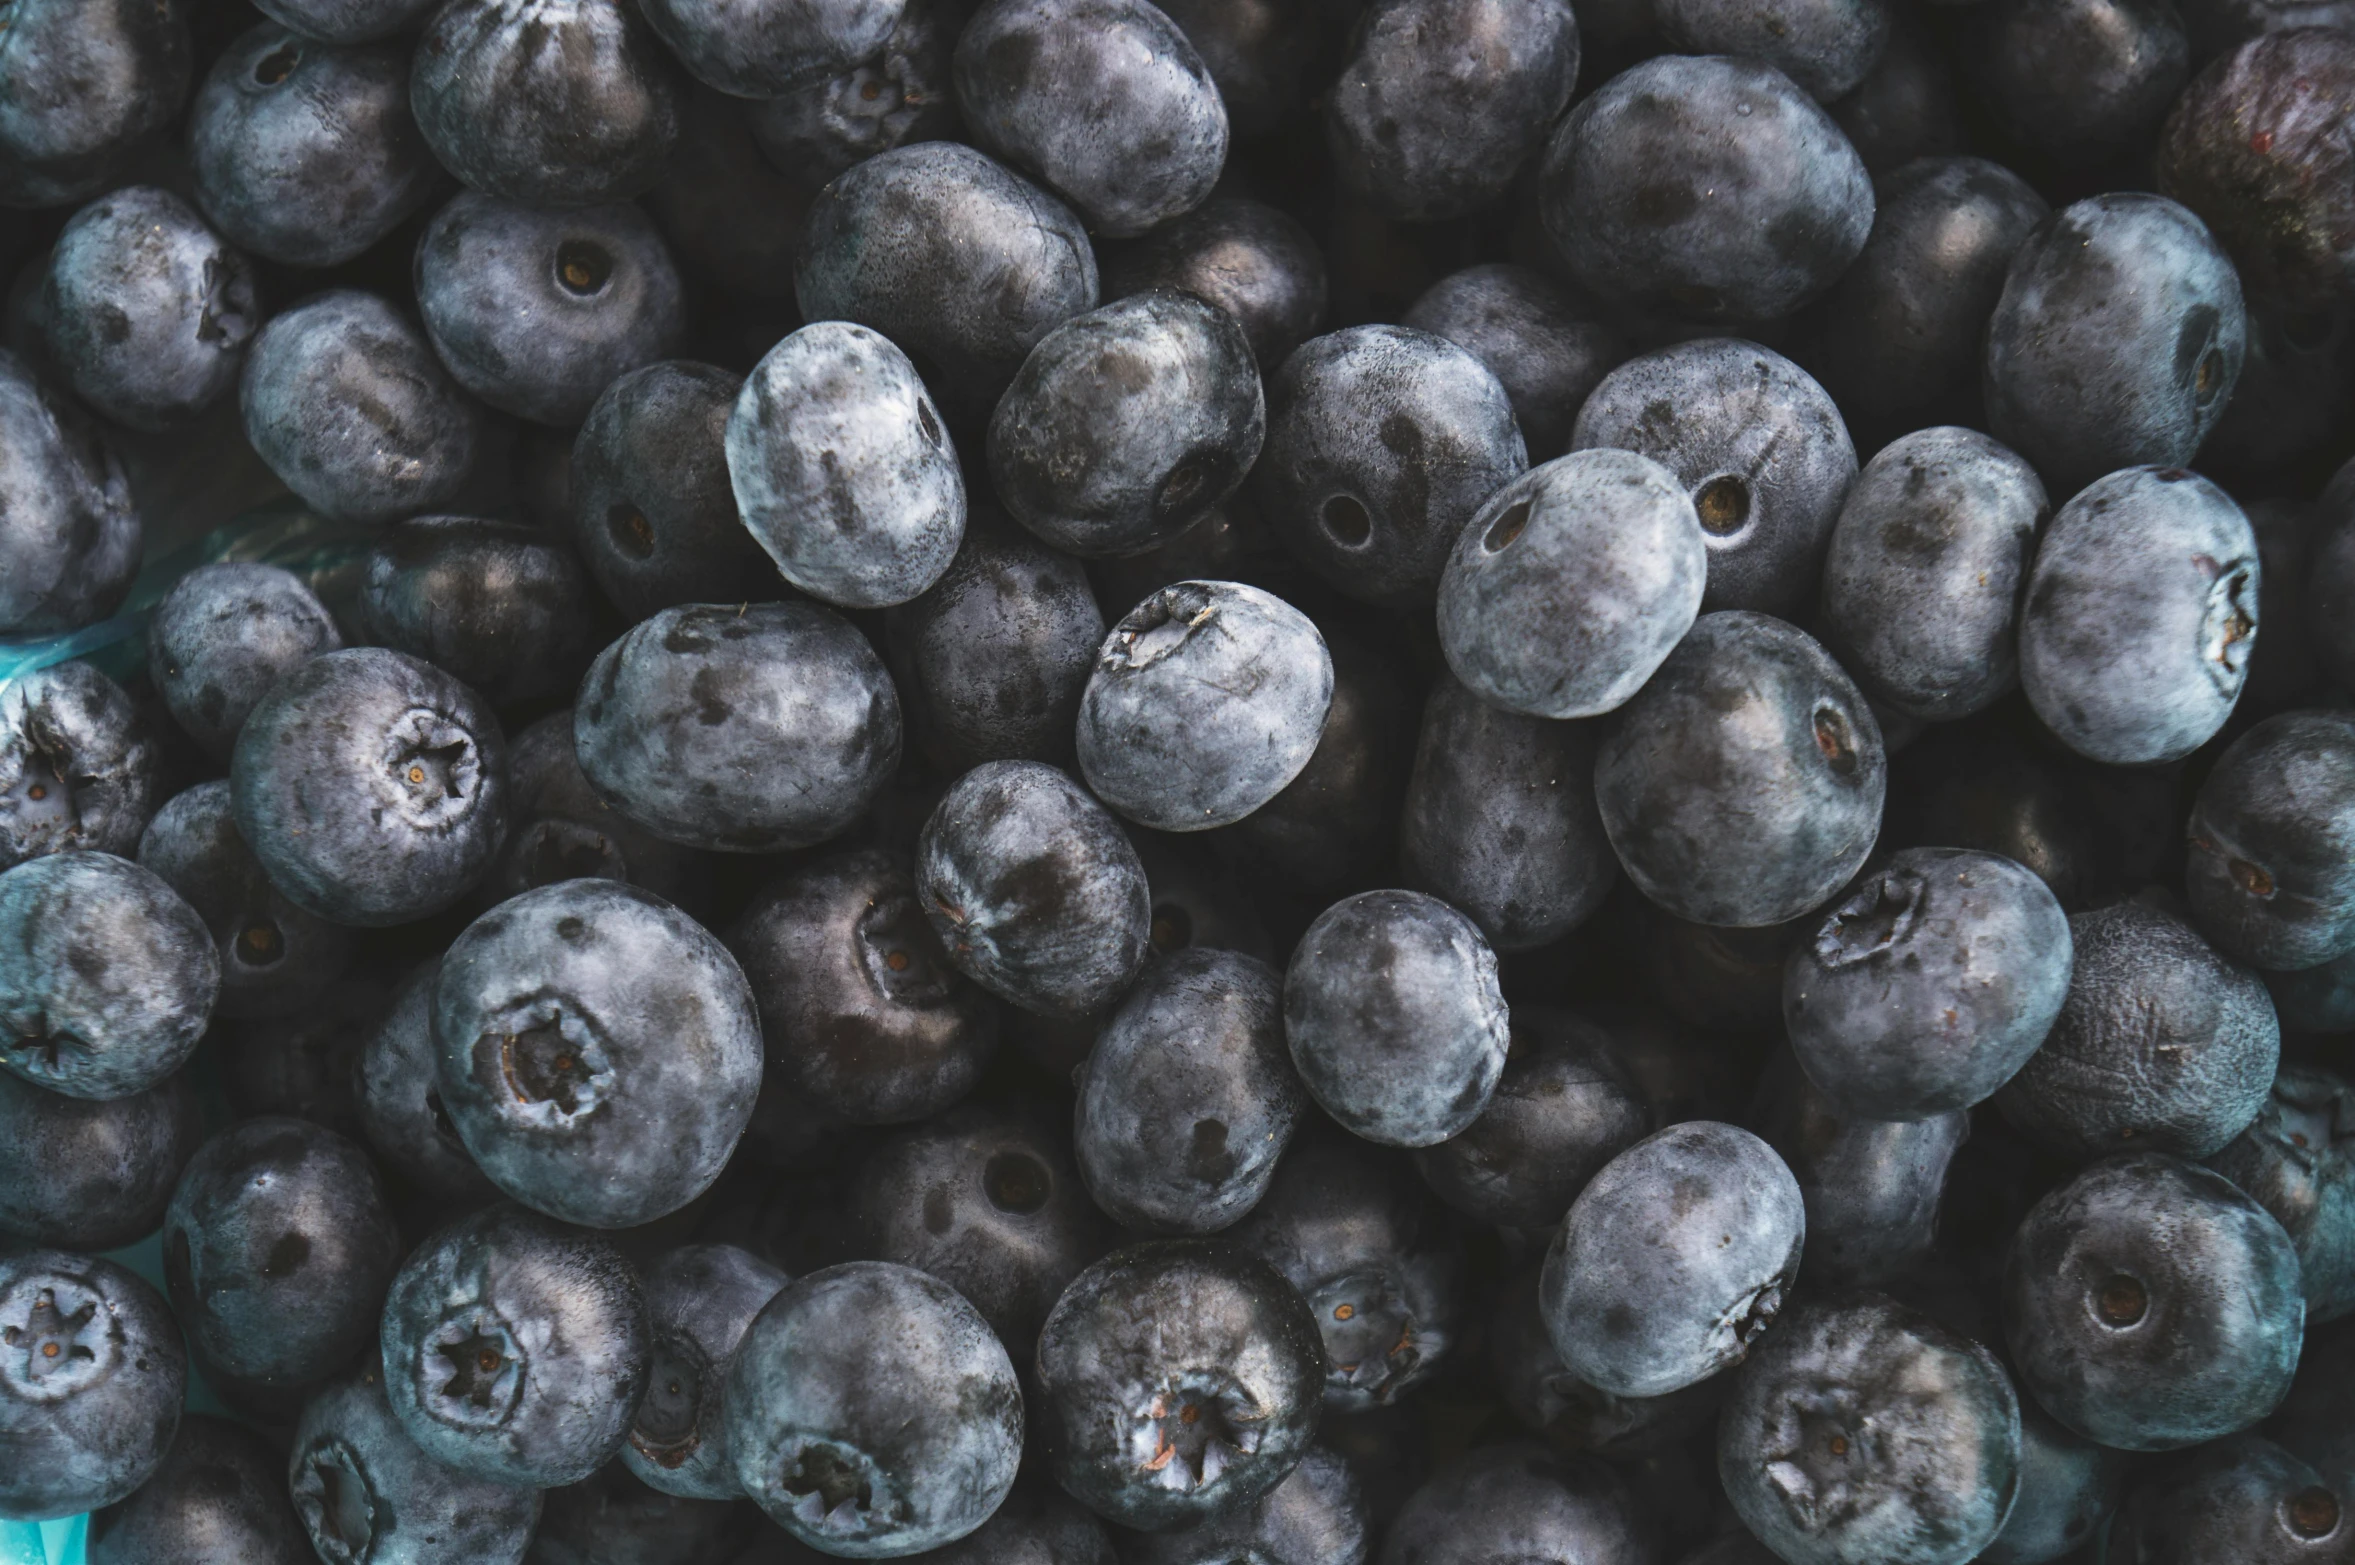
[
  {"x": 1563, "y": 1108},
  {"x": 1520, "y": 1501},
  {"x": 367, "y": 1495},
  {"x": 2117, "y": 341},
  {"x": 274, "y": 957},
  {"x": 217, "y": 1498},
  {"x": 91, "y": 1175},
  {"x": 699, "y": 1300},
  {"x": 1500, "y": 818},
  {"x": 1750, "y": 717},
  {"x": 2069, "y": 1487},
  {"x": 1381, "y": 443},
  {"x": 2297, "y": 1160},
  {"x": 1706, "y": 187},
  {"x": 2149, "y": 1305},
  {"x": 305, "y": 1063},
  {"x": 1206, "y": 700},
  {"x": 1923, "y": 580},
  {"x": 1188, "y": 1098},
  {"x": 502, "y": 606},
  {"x": 84, "y": 86},
  {"x": 346, "y": 21},
  {"x": 547, "y": 103},
  {"x": 611, "y": 1518},
  {"x": 2271, "y": 872},
  {"x": 372, "y": 786},
  {"x": 86, "y": 1425},
  {"x": 1394, "y": 1017},
  {"x": 399, "y": 1098},
  {"x": 599, "y": 1051},
  {"x": 862, "y": 1013},
  {"x": 1252, "y": 260},
  {"x": 654, "y": 516},
  {"x": 2240, "y": 1499},
  {"x": 107, "y": 978},
  {"x": 821, "y": 128},
  {"x": 516, "y": 1349},
  {"x": 344, "y": 400},
  {"x": 1316, "y": 1516},
  {"x": 872, "y": 1414},
  {"x": 1826, "y": 47},
  {"x": 988, "y": 1200},
  {"x": 306, "y": 153},
  {"x": 739, "y": 729},
  {"x": 146, "y": 311},
  {"x": 1544, "y": 346},
  {"x": 1862, "y": 1431},
  {"x": 537, "y": 312},
  {"x": 961, "y": 262},
  {"x": 77, "y": 766},
  {"x": 1034, "y": 889},
  {"x": 561, "y": 830},
  {"x": 842, "y": 469},
  {"x": 278, "y": 1248},
  {"x": 771, "y": 47},
  {"x": 1106, "y": 102},
  {"x": 1545, "y": 1396},
  {"x": 71, "y": 540},
  {"x": 224, "y": 636},
  {"x": 2084, "y": 82},
  {"x": 1897, "y": 340},
  {"x": 1760, "y": 446},
  {"x": 1572, "y": 584},
  {"x": 2141, "y": 609},
  {"x": 1208, "y": 1412},
  {"x": 1439, "y": 105},
  {"x": 991, "y": 659},
  {"x": 1929, "y": 986}
]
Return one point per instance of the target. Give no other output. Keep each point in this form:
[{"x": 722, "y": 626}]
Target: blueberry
[
  {"x": 71, "y": 541},
  {"x": 91, "y": 1378},
  {"x": 562, "y": 830},
  {"x": 278, "y": 1249},
  {"x": 2242, "y": 1499},
  {"x": 1708, "y": 187},
  {"x": 731, "y": 217},
  {"x": 1923, "y": 580},
  {"x": 1673, "y": 1260},
  {"x": 2082, "y": 81},
  {"x": 548, "y": 103},
  {"x": 870, "y": 1412},
  {"x": 345, "y": 401},
  {"x": 1207, "y": 1413},
  {"x": 1826, "y": 47},
  {"x": 699, "y": 1300},
  {"x": 2161, "y": 1043},
  {"x": 1756, "y": 442},
  {"x": 1748, "y": 716},
  {"x": 146, "y": 311},
  {"x": 372, "y": 786},
  {"x": 1545, "y": 1396},
  {"x": 537, "y": 312},
  {"x": 2312, "y": 1421},
  {"x": 224, "y": 636},
  {"x": 1316, "y": 1516},
  {"x": 771, "y": 48},
  {"x": 1546, "y": 348},
  {"x": 1252, "y": 260},
  {"x": 862, "y": 1013},
  {"x": 1863, "y": 1430},
  {"x": 217, "y": 1498},
  {"x": 501, "y": 606},
  {"x": 842, "y": 469},
  {"x": 896, "y": 93},
  {"x": 1563, "y": 1108},
  {"x": 2068, "y": 1489},
  {"x": 399, "y": 1098},
  {"x": 2117, "y": 341},
  {"x": 2297, "y": 1160},
  {"x": 515, "y": 1349},
  {"x": 653, "y": 514},
  {"x": 1104, "y": 100},
  {"x": 2271, "y": 873},
  {"x": 1520, "y": 1501},
  {"x": 368, "y": 1496},
  {"x": 91, "y": 1175},
  {"x": 306, "y": 153},
  {"x": 986, "y": 1199},
  {"x": 1438, "y": 106},
  {"x": 85, "y": 86},
  {"x": 599, "y": 1051},
  {"x": 1034, "y": 889},
  {"x": 2149, "y": 1305},
  {"x": 1929, "y": 986},
  {"x": 743, "y": 729},
  {"x": 1904, "y": 108},
  {"x": 1188, "y": 1098},
  {"x": 612, "y": 1518},
  {"x": 77, "y": 766},
  {"x": 1382, "y": 441},
  {"x": 991, "y": 658},
  {"x": 304, "y": 1063}
]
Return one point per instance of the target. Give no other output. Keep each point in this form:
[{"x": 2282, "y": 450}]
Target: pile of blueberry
[{"x": 1119, "y": 786}]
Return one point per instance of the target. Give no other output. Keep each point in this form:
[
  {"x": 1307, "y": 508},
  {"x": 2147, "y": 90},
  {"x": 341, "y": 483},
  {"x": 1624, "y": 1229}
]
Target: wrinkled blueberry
[
  {"x": 70, "y": 535},
  {"x": 91, "y": 1377},
  {"x": 224, "y": 636}
]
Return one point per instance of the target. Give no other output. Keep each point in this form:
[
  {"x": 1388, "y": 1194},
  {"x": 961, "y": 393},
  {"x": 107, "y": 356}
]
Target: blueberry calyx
[
  {"x": 1375, "y": 1344},
  {"x": 1193, "y": 1428},
  {"x": 337, "y": 1502},
  {"x": 472, "y": 1369},
  {"x": 434, "y": 768},
  {"x": 839, "y": 1489},
  {"x": 53, "y": 1350}
]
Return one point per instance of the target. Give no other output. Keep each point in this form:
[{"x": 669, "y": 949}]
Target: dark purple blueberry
[
  {"x": 1547, "y": 348},
  {"x": 399, "y": 1098},
  {"x": 91, "y": 1175},
  {"x": 70, "y": 535},
  {"x": 502, "y": 606},
  {"x": 218, "y": 1498},
  {"x": 699, "y": 1300},
  {"x": 770, "y": 47},
  {"x": 1317, "y": 1516},
  {"x": 2297, "y": 1160},
  {"x": 224, "y": 636},
  {"x": 2271, "y": 872},
  {"x": 613, "y": 1518},
  {"x": 1252, "y": 260},
  {"x": 563, "y": 830},
  {"x": 85, "y": 83},
  {"x": 1520, "y": 1501},
  {"x": 898, "y": 92},
  {"x": 2244, "y": 1499}
]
